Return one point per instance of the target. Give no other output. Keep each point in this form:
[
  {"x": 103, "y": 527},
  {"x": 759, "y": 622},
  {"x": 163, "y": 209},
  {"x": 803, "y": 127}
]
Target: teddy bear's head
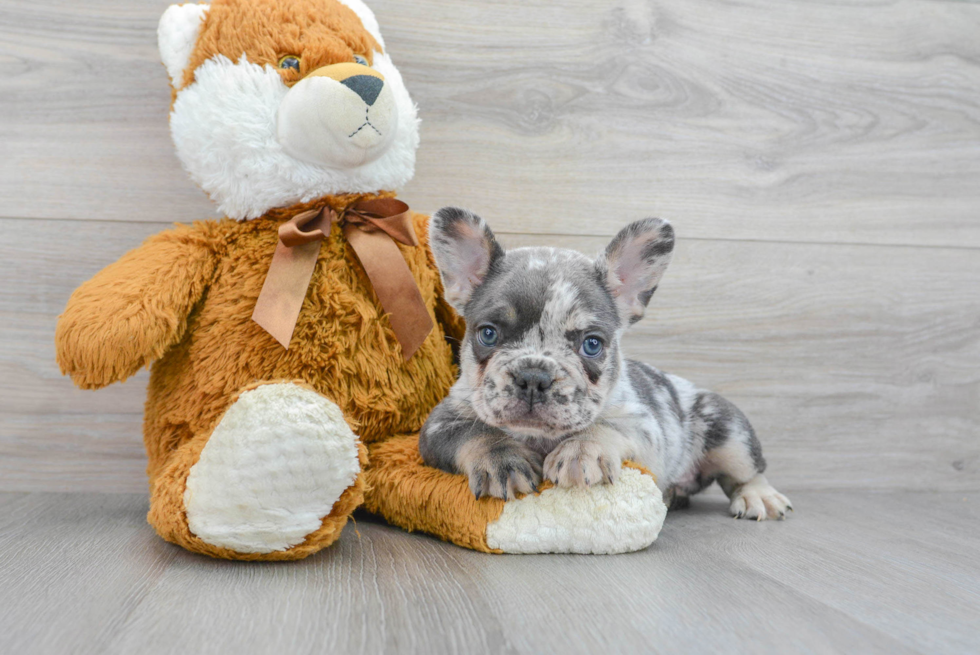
[{"x": 278, "y": 102}]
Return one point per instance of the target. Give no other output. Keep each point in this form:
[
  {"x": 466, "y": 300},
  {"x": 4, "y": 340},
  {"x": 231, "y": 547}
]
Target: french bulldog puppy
[{"x": 544, "y": 391}]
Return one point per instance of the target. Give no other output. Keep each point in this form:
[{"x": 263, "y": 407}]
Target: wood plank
[
  {"x": 83, "y": 572},
  {"x": 830, "y": 121},
  {"x": 84, "y": 121},
  {"x": 826, "y": 122},
  {"x": 844, "y": 559},
  {"x": 73, "y": 452},
  {"x": 390, "y": 592},
  {"x": 859, "y": 365},
  {"x": 72, "y": 568},
  {"x": 43, "y": 265}
]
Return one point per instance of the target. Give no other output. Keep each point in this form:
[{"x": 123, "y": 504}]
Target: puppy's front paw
[
  {"x": 757, "y": 499},
  {"x": 502, "y": 470},
  {"x": 581, "y": 463}
]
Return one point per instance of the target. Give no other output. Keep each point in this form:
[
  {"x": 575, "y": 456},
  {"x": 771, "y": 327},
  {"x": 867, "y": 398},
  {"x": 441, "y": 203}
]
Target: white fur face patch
[{"x": 225, "y": 123}]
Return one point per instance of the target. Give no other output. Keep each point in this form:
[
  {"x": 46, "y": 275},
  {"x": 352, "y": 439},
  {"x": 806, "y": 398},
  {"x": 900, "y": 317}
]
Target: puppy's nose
[
  {"x": 532, "y": 383},
  {"x": 366, "y": 86}
]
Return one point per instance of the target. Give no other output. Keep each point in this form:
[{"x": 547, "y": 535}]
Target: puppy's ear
[
  {"x": 465, "y": 249},
  {"x": 634, "y": 262}
]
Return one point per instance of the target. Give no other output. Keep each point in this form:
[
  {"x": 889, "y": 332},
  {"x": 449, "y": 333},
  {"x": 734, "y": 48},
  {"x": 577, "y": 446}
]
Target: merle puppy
[{"x": 544, "y": 390}]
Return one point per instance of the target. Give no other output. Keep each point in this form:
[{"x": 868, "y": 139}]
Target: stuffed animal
[{"x": 298, "y": 345}]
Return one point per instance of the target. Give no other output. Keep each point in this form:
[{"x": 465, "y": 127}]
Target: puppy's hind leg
[{"x": 733, "y": 455}]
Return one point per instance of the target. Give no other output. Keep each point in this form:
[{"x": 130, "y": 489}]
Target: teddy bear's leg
[
  {"x": 603, "y": 519},
  {"x": 276, "y": 478}
]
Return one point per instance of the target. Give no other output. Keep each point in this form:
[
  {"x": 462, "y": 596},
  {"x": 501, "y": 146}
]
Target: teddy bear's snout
[{"x": 338, "y": 115}]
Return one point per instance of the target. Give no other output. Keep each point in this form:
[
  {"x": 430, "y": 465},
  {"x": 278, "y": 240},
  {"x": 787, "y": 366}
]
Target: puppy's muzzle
[{"x": 532, "y": 385}]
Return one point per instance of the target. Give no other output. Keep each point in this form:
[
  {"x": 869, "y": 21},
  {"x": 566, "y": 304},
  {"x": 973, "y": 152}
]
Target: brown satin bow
[{"x": 371, "y": 227}]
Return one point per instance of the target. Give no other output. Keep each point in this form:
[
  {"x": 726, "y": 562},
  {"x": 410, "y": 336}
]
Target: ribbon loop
[
  {"x": 389, "y": 215},
  {"x": 372, "y": 227},
  {"x": 316, "y": 223}
]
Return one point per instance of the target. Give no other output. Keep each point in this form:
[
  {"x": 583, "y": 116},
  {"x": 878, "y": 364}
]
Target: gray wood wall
[{"x": 820, "y": 161}]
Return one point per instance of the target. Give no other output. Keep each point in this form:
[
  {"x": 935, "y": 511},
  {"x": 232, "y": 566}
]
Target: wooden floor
[
  {"x": 820, "y": 161},
  {"x": 849, "y": 572}
]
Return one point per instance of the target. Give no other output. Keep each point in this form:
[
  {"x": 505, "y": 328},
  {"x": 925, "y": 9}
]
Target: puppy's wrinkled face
[{"x": 541, "y": 353}]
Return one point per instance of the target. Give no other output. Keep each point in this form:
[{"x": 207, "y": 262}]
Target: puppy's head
[{"x": 543, "y": 325}]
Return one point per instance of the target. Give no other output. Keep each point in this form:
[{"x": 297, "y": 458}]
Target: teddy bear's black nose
[{"x": 366, "y": 86}]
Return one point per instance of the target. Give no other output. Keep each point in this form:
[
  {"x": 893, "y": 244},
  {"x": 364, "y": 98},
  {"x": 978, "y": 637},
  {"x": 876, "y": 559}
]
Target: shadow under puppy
[{"x": 544, "y": 390}]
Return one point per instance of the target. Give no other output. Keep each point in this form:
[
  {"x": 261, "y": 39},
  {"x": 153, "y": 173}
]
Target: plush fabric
[
  {"x": 280, "y": 445},
  {"x": 258, "y": 452},
  {"x": 603, "y": 520},
  {"x": 185, "y": 298},
  {"x": 416, "y": 497},
  {"x": 265, "y": 30},
  {"x": 226, "y": 102},
  {"x": 177, "y": 35}
]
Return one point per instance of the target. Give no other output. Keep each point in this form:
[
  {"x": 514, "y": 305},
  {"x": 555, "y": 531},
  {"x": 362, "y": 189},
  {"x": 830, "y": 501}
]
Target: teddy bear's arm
[{"x": 133, "y": 310}]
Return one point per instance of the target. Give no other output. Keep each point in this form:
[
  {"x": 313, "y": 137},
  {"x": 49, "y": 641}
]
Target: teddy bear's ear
[{"x": 176, "y": 36}]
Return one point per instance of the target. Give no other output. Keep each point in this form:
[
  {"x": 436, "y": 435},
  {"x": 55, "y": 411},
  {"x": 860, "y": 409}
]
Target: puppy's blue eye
[
  {"x": 592, "y": 347},
  {"x": 488, "y": 336},
  {"x": 358, "y": 59}
]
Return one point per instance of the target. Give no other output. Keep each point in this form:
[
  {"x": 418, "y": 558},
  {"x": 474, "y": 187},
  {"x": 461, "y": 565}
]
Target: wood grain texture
[
  {"x": 859, "y": 365},
  {"x": 820, "y": 162},
  {"x": 771, "y": 133},
  {"x": 84, "y": 573},
  {"x": 826, "y": 121}
]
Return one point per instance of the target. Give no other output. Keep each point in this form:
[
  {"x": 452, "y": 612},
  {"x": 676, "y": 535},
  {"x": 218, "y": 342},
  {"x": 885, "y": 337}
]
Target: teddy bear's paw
[
  {"x": 603, "y": 519},
  {"x": 273, "y": 468}
]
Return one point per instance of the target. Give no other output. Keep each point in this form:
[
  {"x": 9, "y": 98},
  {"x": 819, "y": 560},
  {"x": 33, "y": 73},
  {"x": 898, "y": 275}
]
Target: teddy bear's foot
[
  {"x": 274, "y": 466},
  {"x": 602, "y": 519},
  {"x": 276, "y": 479}
]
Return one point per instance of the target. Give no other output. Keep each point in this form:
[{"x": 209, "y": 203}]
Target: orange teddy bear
[{"x": 295, "y": 356}]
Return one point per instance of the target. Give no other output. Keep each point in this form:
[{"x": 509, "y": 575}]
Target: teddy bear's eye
[
  {"x": 289, "y": 62},
  {"x": 360, "y": 60}
]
